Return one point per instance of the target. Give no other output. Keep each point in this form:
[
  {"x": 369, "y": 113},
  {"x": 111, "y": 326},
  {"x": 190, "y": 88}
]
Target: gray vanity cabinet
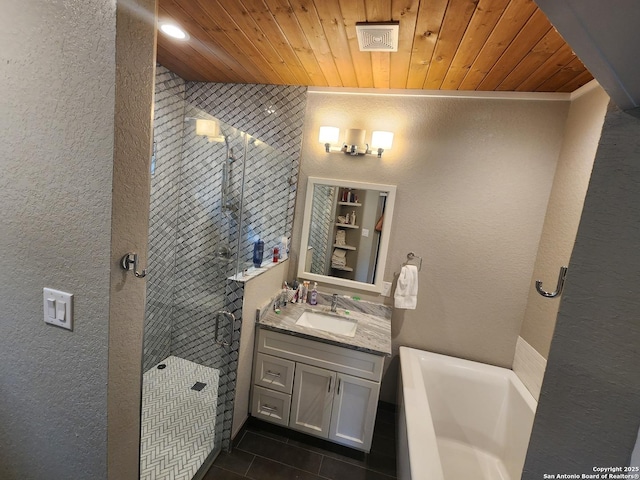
[{"x": 334, "y": 393}]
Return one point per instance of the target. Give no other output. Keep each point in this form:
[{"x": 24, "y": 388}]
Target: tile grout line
[
  {"x": 246, "y": 473},
  {"x": 279, "y": 462},
  {"x": 320, "y": 468},
  {"x": 323, "y": 456}
]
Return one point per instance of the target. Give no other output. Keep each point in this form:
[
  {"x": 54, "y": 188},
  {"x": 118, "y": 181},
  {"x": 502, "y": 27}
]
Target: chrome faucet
[{"x": 334, "y": 302}]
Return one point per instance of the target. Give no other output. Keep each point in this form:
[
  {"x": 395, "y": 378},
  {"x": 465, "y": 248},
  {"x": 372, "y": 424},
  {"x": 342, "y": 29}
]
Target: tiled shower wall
[
  {"x": 273, "y": 114},
  {"x": 193, "y": 238},
  {"x": 322, "y": 227},
  {"x": 165, "y": 187}
]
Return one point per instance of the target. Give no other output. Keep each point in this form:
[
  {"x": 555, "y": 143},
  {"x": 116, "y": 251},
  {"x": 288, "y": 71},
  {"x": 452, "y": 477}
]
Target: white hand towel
[
  {"x": 406, "y": 294},
  {"x": 635, "y": 455}
]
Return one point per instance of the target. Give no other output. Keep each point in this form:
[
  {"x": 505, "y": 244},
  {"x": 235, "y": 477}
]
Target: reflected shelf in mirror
[{"x": 343, "y": 233}]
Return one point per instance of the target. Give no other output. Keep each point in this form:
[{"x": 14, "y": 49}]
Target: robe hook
[
  {"x": 561, "y": 277},
  {"x": 130, "y": 262}
]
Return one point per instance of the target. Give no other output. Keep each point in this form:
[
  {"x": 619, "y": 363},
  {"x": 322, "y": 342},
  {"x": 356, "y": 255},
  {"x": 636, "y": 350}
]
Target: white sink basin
[{"x": 328, "y": 322}]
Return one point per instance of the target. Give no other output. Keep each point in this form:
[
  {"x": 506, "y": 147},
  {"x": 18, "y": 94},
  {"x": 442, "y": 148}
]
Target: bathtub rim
[
  {"x": 421, "y": 436},
  {"x": 414, "y": 391}
]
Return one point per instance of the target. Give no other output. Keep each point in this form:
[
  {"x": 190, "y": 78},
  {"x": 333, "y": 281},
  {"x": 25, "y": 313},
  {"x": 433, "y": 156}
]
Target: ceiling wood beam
[
  {"x": 428, "y": 26},
  {"x": 511, "y": 22},
  {"x": 484, "y": 20},
  {"x": 540, "y": 53},
  {"x": 405, "y": 12},
  {"x": 490, "y": 45},
  {"x": 307, "y": 16},
  {"x": 454, "y": 25},
  {"x": 537, "y": 26},
  {"x": 354, "y": 11},
  {"x": 262, "y": 16},
  {"x": 335, "y": 31}
]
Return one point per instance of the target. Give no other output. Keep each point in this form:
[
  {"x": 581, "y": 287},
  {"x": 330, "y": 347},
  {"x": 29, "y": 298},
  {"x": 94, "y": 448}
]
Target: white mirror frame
[{"x": 384, "y": 239}]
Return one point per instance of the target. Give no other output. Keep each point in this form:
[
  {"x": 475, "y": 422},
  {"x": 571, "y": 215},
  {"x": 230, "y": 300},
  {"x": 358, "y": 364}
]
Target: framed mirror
[{"x": 345, "y": 232}]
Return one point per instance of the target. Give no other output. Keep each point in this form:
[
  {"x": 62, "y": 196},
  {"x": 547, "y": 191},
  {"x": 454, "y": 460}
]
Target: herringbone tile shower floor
[{"x": 177, "y": 421}]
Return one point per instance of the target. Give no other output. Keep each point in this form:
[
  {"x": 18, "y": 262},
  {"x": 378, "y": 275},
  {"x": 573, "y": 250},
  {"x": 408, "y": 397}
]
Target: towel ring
[{"x": 412, "y": 256}]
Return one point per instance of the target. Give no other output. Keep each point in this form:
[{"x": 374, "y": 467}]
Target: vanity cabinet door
[
  {"x": 354, "y": 411},
  {"x": 312, "y": 400}
]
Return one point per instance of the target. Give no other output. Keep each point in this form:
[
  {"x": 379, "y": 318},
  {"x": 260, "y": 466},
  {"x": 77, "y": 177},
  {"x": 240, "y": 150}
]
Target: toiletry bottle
[
  {"x": 314, "y": 294},
  {"x": 276, "y": 254},
  {"x": 284, "y": 248},
  {"x": 305, "y": 291},
  {"x": 300, "y": 293},
  {"x": 353, "y": 218},
  {"x": 285, "y": 294},
  {"x": 258, "y": 252}
]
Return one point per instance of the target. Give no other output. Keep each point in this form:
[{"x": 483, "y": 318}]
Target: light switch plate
[
  {"x": 386, "y": 289},
  {"x": 58, "y": 308}
]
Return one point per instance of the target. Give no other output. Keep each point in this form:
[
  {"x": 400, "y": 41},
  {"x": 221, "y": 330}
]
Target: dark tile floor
[{"x": 267, "y": 452}]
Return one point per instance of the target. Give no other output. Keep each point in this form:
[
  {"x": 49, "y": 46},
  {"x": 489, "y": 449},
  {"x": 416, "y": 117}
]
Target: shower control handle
[{"x": 231, "y": 318}]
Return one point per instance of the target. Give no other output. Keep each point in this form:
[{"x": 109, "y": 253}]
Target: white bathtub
[{"x": 460, "y": 419}]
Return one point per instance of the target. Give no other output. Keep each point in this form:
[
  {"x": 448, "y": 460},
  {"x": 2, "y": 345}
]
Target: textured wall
[
  {"x": 257, "y": 291},
  {"x": 473, "y": 178},
  {"x": 134, "y": 83},
  {"x": 581, "y": 136},
  {"x": 56, "y": 144},
  {"x": 588, "y": 411}
]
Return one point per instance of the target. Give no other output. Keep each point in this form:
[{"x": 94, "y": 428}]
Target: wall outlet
[{"x": 386, "y": 289}]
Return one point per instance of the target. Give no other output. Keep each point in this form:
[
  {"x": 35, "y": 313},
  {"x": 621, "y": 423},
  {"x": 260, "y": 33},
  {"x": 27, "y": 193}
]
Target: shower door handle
[{"x": 230, "y": 317}]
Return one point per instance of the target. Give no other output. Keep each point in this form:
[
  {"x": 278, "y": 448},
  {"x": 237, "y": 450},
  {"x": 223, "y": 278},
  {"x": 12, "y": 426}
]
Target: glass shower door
[{"x": 191, "y": 324}]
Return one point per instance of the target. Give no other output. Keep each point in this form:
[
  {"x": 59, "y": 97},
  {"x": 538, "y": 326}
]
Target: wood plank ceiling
[{"x": 489, "y": 45}]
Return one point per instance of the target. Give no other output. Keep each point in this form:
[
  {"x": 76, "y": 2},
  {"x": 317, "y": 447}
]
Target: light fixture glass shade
[
  {"x": 207, "y": 128},
  {"x": 329, "y": 135},
  {"x": 380, "y": 139},
  {"x": 355, "y": 136}
]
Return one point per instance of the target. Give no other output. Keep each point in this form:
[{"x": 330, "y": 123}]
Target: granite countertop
[{"x": 373, "y": 332}]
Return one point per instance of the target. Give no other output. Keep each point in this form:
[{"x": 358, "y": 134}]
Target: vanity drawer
[
  {"x": 322, "y": 355},
  {"x": 271, "y": 406},
  {"x": 274, "y": 373}
]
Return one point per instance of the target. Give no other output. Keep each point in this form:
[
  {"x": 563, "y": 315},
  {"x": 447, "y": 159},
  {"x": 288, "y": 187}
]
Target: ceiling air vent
[{"x": 378, "y": 37}]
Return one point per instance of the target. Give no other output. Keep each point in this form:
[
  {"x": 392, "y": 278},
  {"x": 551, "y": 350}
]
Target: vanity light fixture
[
  {"x": 173, "y": 30},
  {"x": 354, "y": 138},
  {"x": 328, "y": 135},
  {"x": 381, "y": 141},
  {"x": 353, "y": 141}
]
